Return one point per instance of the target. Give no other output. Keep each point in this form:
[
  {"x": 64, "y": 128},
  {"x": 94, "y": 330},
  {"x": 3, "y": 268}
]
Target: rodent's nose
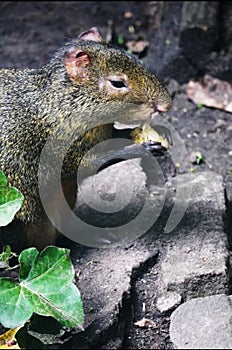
[{"x": 161, "y": 107}]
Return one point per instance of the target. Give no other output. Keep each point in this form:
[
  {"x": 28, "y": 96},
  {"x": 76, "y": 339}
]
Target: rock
[
  {"x": 116, "y": 206},
  {"x": 194, "y": 255},
  {"x": 105, "y": 285},
  {"x": 203, "y": 323},
  {"x": 228, "y": 194},
  {"x": 168, "y": 301}
]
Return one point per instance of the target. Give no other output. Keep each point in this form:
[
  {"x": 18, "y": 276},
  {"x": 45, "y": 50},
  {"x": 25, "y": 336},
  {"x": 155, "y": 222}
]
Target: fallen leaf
[
  {"x": 7, "y": 339},
  {"x": 145, "y": 323},
  {"x": 211, "y": 92},
  {"x": 137, "y": 46},
  {"x": 128, "y": 14}
]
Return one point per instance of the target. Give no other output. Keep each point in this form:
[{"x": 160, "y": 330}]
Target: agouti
[{"x": 84, "y": 85}]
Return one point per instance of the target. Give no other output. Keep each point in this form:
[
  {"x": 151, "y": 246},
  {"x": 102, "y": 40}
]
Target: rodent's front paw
[{"x": 155, "y": 148}]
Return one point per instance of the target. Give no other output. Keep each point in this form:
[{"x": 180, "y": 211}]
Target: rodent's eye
[
  {"x": 114, "y": 84},
  {"x": 118, "y": 84}
]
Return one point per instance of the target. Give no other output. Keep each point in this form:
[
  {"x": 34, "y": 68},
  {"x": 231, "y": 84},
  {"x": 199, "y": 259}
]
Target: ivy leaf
[
  {"x": 46, "y": 287},
  {"x": 5, "y": 256},
  {"x": 3, "y": 180},
  {"x": 11, "y": 201}
]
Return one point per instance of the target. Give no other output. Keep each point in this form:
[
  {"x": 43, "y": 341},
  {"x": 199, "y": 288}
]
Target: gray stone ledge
[{"x": 203, "y": 323}]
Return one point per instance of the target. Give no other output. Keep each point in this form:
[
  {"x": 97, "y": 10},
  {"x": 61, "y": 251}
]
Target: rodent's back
[{"x": 19, "y": 135}]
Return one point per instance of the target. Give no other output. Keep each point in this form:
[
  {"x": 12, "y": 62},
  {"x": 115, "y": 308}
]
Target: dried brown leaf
[
  {"x": 137, "y": 46},
  {"x": 211, "y": 92},
  {"x": 145, "y": 323},
  {"x": 7, "y": 340}
]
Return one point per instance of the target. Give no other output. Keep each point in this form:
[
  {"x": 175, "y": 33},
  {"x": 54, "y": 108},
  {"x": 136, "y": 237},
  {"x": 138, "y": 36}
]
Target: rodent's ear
[
  {"x": 76, "y": 62},
  {"x": 91, "y": 35}
]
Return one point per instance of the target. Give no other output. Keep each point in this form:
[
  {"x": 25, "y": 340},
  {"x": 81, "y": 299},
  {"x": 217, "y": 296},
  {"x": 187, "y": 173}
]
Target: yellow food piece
[{"x": 146, "y": 133}]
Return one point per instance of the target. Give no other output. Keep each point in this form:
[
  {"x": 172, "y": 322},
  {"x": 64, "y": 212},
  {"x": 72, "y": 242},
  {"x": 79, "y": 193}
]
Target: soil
[{"x": 30, "y": 32}]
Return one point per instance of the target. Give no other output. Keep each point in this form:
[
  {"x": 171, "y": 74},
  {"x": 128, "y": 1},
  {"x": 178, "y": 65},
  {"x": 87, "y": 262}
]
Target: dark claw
[{"x": 155, "y": 148}]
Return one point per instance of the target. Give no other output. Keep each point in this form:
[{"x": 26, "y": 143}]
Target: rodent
[{"x": 85, "y": 73}]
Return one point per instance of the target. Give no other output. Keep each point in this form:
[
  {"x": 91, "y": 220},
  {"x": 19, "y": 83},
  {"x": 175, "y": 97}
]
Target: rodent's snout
[
  {"x": 154, "y": 107},
  {"x": 159, "y": 98},
  {"x": 160, "y": 107}
]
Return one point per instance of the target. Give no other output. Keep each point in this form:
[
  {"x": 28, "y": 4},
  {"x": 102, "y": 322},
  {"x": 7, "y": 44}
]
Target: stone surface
[
  {"x": 192, "y": 258},
  {"x": 117, "y": 205},
  {"x": 195, "y": 255},
  {"x": 168, "y": 301},
  {"x": 105, "y": 285},
  {"x": 228, "y": 221},
  {"x": 203, "y": 323}
]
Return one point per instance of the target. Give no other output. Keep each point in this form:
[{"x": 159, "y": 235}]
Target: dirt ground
[{"x": 30, "y": 32}]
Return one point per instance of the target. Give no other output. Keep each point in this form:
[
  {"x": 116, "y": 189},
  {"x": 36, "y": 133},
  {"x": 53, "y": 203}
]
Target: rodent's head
[{"x": 112, "y": 75}]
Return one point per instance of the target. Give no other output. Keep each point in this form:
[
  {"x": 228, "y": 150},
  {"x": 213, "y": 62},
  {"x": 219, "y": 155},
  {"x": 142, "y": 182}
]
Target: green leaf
[
  {"x": 199, "y": 158},
  {"x": 11, "y": 201},
  {"x": 5, "y": 256},
  {"x": 120, "y": 40},
  {"x": 3, "y": 180},
  {"x": 46, "y": 288},
  {"x": 27, "y": 259}
]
